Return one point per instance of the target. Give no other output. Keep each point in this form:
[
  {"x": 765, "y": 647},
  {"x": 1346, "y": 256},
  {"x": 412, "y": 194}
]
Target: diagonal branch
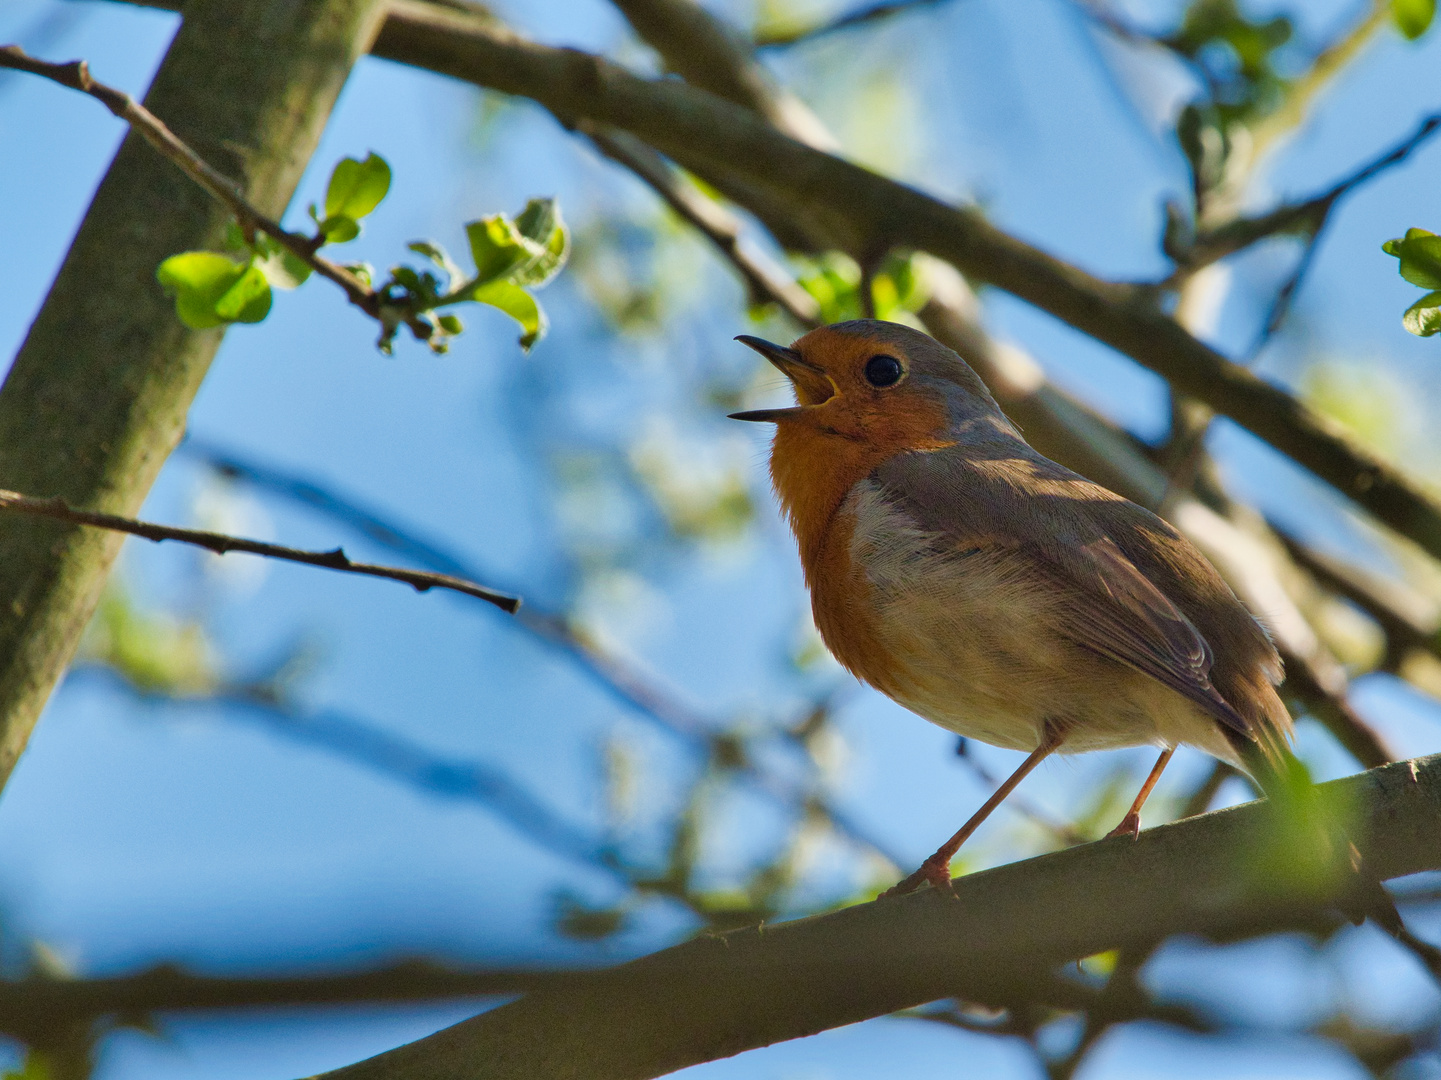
[
  {"x": 718, "y": 225},
  {"x": 707, "y": 52},
  {"x": 220, "y": 543},
  {"x": 719, "y": 995}
]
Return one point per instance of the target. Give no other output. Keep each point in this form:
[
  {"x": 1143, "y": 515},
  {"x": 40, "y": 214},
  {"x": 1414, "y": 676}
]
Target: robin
[{"x": 997, "y": 593}]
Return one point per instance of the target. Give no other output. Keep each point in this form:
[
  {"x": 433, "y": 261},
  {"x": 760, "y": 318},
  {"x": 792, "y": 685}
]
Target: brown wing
[
  {"x": 1118, "y": 612},
  {"x": 1051, "y": 521}
]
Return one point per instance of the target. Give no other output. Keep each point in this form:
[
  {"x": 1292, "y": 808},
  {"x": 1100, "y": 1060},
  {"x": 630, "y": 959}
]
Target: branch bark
[
  {"x": 1224, "y": 874},
  {"x": 97, "y": 396}
]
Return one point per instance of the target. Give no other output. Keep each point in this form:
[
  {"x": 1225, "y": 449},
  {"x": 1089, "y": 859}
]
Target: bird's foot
[
  {"x": 1130, "y": 826},
  {"x": 935, "y": 872}
]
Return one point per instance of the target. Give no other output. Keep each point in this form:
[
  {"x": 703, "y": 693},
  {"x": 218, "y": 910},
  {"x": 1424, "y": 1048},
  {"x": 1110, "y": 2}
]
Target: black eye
[{"x": 884, "y": 370}]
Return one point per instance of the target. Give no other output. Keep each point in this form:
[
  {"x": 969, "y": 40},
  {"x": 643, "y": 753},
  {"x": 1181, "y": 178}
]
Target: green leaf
[
  {"x": 1423, "y": 318},
  {"x": 248, "y": 300},
  {"x": 1420, "y": 255},
  {"x": 281, "y": 267},
  {"x": 540, "y": 223},
  {"x": 518, "y": 304},
  {"x": 451, "y": 324},
  {"x": 356, "y": 187},
  {"x": 212, "y": 290},
  {"x": 528, "y": 251},
  {"x": 497, "y": 247},
  {"x": 339, "y": 229},
  {"x": 438, "y": 255},
  {"x": 1412, "y": 17},
  {"x": 538, "y": 220}
]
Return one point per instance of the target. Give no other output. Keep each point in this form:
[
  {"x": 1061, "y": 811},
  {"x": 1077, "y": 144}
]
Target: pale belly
[{"x": 970, "y": 645}]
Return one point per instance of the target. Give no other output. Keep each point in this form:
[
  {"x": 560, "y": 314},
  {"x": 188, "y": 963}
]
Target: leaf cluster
[
  {"x": 1419, "y": 257},
  {"x": 512, "y": 256},
  {"x": 835, "y": 281}
]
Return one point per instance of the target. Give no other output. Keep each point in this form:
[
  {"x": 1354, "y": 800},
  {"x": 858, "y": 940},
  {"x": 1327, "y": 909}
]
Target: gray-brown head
[{"x": 879, "y": 381}]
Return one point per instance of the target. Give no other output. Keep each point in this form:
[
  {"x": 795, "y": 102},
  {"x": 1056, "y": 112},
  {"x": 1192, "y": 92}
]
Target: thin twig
[
  {"x": 713, "y": 221},
  {"x": 76, "y": 76},
  {"x": 220, "y": 543}
]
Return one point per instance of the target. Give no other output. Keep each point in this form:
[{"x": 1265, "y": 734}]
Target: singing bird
[{"x": 991, "y": 590}]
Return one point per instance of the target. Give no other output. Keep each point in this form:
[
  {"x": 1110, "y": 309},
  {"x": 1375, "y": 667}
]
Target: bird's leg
[
  {"x": 937, "y": 869},
  {"x": 1131, "y": 824}
]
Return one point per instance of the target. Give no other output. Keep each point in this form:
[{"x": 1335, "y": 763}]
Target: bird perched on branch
[{"x": 993, "y": 591}]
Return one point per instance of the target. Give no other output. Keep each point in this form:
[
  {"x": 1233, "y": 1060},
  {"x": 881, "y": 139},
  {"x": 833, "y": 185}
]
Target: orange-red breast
[{"x": 991, "y": 590}]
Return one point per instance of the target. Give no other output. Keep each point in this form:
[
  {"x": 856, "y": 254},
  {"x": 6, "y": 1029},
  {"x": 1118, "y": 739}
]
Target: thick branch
[
  {"x": 863, "y": 212},
  {"x": 723, "y": 994},
  {"x": 221, "y": 544},
  {"x": 706, "y": 52}
]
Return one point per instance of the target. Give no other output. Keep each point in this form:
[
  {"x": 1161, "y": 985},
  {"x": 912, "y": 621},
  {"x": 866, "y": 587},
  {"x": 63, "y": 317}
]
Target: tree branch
[
  {"x": 220, "y": 543},
  {"x": 709, "y": 53},
  {"x": 720, "y": 995},
  {"x": 714, "y": 222}
]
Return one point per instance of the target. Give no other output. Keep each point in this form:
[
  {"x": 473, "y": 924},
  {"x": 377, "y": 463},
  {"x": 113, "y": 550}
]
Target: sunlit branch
[
  {"x": 722, "y": 994},
  {"x": 707, "y": 52},
  {"x": 221, "y": 544},
  {"x": 1328, "y": 63},
  {"x": 765, "y": 283}
]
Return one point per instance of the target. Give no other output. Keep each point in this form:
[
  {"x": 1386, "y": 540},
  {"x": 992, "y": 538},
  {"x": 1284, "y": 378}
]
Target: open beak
[{"x": 791, "y": 364}]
